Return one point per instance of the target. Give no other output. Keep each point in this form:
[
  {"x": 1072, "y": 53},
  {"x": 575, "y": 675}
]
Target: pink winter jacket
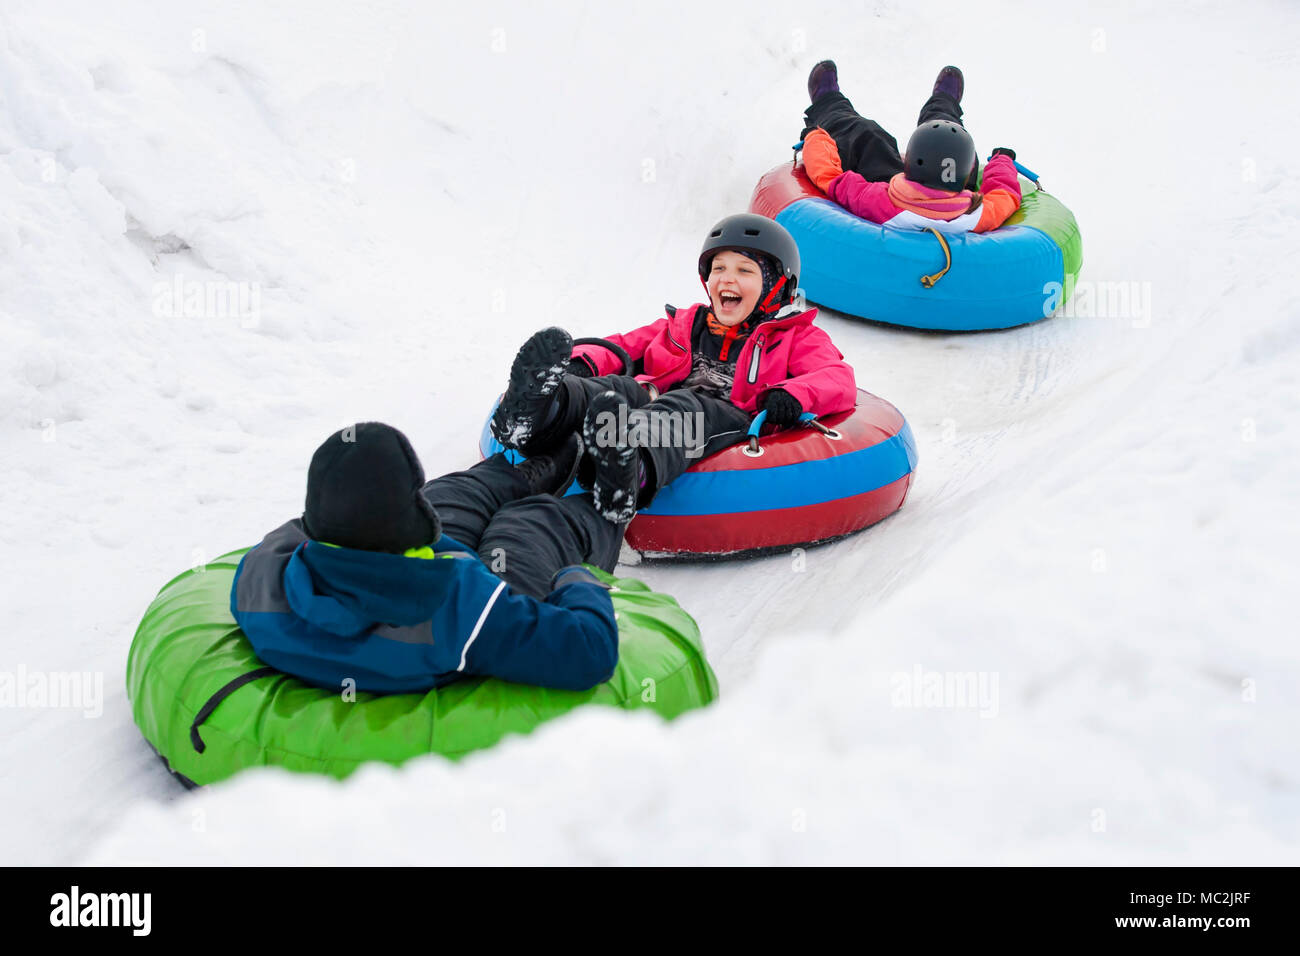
[{"x": 786, "y": 352}]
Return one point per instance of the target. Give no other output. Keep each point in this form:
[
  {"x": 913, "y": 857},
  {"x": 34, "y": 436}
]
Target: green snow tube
[{"x": 210, "y": 708}]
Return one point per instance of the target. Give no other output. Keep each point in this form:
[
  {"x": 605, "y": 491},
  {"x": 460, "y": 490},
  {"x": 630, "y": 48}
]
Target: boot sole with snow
[
  {"x": 612, "y": 488},
  {"x": 535, "y": 374}
]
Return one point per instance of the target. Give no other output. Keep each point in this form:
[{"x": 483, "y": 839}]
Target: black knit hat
[{"x": 363, "y": 491}]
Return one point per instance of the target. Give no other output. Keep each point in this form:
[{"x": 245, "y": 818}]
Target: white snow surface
[{"x": 1104, "y": 518}]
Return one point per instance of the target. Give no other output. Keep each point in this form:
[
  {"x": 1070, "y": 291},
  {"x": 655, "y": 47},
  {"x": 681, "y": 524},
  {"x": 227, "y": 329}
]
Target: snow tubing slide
[
  {"x": 210, "y": 708},
  {"x": 805, "y": 487},
  {"x": 1019, "y": 273}
]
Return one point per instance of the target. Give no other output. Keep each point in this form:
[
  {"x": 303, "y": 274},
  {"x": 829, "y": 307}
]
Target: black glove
[
  {"x": 581, "y": 366},
  {"x": 1005, "y": 151},
  {"x": 575, "y": 574},
  {"x": 782, "y": 408}
]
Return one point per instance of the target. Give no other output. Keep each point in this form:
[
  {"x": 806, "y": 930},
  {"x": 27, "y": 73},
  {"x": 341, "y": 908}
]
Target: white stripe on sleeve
[{"x": 478, "y": 625}]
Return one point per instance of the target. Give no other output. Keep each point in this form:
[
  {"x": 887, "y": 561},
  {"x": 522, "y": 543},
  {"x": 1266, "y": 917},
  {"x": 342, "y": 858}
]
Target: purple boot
[
  {"x": 823, "y": 79},
  {"x": 951, "y": 82}
]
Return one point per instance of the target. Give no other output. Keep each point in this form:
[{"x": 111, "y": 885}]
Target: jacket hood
[
  {"x": 348, "y": 592},
  {"x": 789, "y": 317}
]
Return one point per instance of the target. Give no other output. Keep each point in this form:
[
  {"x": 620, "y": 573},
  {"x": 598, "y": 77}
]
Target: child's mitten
[{"x": 782, "y": 408}]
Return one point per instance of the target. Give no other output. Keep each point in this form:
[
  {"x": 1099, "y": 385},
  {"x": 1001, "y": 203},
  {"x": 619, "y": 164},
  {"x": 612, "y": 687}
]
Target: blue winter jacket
[{"x": 393, "y": 624}]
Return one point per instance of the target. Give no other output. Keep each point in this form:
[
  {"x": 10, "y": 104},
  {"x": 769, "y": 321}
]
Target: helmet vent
[{"x": 751, "y": 232}]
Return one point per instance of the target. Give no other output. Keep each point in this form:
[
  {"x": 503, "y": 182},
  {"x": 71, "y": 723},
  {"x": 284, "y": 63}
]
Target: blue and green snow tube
[{"x": 1019, "y": 273}]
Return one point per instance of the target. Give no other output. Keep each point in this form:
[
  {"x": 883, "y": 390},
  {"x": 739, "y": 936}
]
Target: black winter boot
[
  {"x": 534, "y": 377},
  {"x": 553, "y": 474},
  {"x": 617, "y": 475}
]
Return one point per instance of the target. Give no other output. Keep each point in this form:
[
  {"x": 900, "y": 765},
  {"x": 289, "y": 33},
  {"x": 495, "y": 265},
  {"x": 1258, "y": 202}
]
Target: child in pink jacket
[
  {"x": 931, "y": 186},
  {"x": 697, "y": 376}
]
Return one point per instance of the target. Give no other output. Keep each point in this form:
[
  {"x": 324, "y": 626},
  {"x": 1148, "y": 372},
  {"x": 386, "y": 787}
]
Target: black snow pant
[
  {"x": 682, "y": 425},
  {"x": 864, "y": 145},
  {"x": 524, "y": 538}
]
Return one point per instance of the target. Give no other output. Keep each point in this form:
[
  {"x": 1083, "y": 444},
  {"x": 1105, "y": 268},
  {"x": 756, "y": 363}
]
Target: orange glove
[{"x": 821, "y": 158}]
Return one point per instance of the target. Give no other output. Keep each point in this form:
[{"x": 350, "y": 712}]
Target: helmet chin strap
[{"x": 767, "y": 306}]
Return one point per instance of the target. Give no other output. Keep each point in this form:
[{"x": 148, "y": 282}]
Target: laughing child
[{"x": 750, "y": 348}]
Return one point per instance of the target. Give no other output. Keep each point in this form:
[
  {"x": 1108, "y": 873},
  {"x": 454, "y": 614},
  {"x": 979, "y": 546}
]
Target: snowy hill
[{"x": 227, "y": 233}]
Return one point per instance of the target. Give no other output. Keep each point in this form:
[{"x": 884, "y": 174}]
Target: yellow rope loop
[{"x": 929, "y": 281}]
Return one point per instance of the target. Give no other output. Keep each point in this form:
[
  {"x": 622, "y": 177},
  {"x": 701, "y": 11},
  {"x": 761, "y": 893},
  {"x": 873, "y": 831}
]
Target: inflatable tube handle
[
  {"x": 753, "y": 450},
  {"x": 222, "y": 693},
  {"x": 930, "y": 280},
  {"x": 805, "y": 418},
  {"x": 1027, "y": 173},
  {"x": 619, "y": 352},
  {"x": 809, "y": 419}
]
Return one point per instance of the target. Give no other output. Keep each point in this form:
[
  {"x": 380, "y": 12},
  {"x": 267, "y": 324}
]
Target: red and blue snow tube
[{"x": 802, "y": 486}]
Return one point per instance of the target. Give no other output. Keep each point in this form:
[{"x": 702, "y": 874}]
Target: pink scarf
[{"x": 927, "y": 202}]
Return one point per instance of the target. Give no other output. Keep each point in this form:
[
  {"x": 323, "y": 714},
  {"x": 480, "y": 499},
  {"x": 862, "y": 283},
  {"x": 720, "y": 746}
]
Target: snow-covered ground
[{"x": 1101, "y": 535}]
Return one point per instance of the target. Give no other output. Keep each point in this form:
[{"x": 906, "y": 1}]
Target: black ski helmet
[
  {"x": 750, "y": 232},
  {"x": 940, "y": 155}
]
